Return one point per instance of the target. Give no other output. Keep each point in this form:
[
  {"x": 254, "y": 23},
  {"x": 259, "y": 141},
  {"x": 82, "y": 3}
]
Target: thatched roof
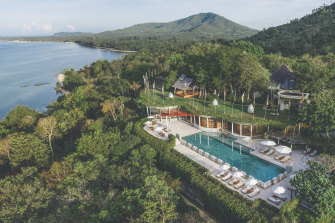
[
  {"x": 285, "y": 77},
  {"x": 183, "y": 83}
]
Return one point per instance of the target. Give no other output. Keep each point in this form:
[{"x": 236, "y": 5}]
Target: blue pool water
[{"x": 224, "y": 148}]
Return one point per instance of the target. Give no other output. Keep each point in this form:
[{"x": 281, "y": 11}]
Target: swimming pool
[{"x": 223, "y": 147}]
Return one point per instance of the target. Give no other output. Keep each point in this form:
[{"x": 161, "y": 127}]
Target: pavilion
[{"x": 183, "y": 85}]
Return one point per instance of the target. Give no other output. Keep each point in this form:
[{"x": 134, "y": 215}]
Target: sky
[{"x": 45, "y": 17}]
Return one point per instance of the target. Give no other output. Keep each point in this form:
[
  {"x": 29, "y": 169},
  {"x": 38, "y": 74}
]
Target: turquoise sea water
[
  {"x": 224, "y": 148},
  {"x": 30, "y": 63}
]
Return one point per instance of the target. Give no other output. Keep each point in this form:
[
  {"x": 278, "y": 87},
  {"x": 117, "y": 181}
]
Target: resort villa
[{"x": 249, "y": 152}]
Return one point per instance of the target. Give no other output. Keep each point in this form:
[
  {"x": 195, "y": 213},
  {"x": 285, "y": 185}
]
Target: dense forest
[{"x": 313, "y": 34}]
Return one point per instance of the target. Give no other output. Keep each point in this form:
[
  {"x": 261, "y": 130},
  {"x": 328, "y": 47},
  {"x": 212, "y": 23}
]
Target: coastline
[
  {"x": 70, "y": 42},
  {"x": 115, "y": 50}
]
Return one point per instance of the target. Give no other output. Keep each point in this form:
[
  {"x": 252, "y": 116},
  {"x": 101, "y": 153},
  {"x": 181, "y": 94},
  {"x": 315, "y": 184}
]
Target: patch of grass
[{"x": 225, "y": 110}]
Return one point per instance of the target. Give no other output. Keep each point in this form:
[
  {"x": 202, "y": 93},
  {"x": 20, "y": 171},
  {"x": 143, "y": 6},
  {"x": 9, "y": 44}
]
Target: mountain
[
  {"x": 66, "y": 34},
  {"x": 313, "y": 34},
  {"x": 203, "y": 24}
]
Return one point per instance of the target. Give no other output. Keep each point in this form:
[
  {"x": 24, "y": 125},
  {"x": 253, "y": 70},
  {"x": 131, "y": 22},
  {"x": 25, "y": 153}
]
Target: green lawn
[{"x": 227, "y": 112}]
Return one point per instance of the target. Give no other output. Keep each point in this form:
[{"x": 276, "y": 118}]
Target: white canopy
[
  {"x": 170, "y": 95},
  {"x": 268, "y": 143},
  {"x": 251, "y": 182},
  {"x": 283, "y": 149},
  {"x": 238, "y": 174},
  {"x": 251, "y": 109},
  {"x": 225, "y": 166},
  {"x": 282, "y": 106},
  {"x": 278, "y": 190}
]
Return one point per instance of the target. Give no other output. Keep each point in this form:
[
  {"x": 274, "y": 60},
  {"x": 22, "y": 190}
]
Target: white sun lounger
[
  {"x": 221, "y": 174},
  {"x": 265, "y": 150},
  {"x": 252, "y": 194},
  {"x": 270, "y": 152},
  {"x": 279, "y": 196},
  {"x": 246, "y": 189},
  {"x": 239, "y": 184},
  {"x": 226, "y": 177},
  {"x": 274, "y": 200},
  {"x": 285, "y": 159},
  {"x": 235, "y": 181},
  {"x": 280, "y": 157}
]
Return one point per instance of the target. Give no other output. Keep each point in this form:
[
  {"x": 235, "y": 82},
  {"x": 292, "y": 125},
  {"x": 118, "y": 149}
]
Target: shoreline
[{"x": 70, "y": 42}]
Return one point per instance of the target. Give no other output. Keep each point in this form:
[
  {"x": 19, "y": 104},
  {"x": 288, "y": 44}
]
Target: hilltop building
[{"x": 285, "y": 78}]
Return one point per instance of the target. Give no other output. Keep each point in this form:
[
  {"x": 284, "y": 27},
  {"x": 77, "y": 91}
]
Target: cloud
[
  {"x": 34, "y": 26},
  {"x": 72, "y": 28},
  {"x": 46, "y": 27}
]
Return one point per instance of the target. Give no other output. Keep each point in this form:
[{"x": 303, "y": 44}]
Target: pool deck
[{"x": 298, "y": 159}]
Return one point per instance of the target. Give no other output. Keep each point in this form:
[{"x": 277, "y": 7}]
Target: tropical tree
[
  {"x": 28, "y": 150},
  {"x": 314, "y": 187},
  {"x": 110, "y": 107},
  {"x": 47, "y": 128},
  {"x": 160, "y": 201},
  {"x": 320, "y": 113},
  {"x": 21, "y": 119},
  {"x": 24, "y": 198}
]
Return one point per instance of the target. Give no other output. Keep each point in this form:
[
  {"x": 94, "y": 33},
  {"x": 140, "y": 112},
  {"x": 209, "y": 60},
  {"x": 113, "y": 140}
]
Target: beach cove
[{"x": 28, "y": 70}]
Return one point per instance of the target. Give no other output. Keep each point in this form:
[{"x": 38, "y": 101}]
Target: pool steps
[{"x": 263, "y": 185}]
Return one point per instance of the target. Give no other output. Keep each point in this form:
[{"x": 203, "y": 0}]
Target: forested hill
[
  {"x": 200, "y": 24},
  {"x": 65, "y": 34},
  {"x": 313, "y": 34}
]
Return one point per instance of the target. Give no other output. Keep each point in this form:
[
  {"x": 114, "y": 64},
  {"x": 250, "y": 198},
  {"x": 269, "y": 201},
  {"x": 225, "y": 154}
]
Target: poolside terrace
[{"x": 297, "y": 162}]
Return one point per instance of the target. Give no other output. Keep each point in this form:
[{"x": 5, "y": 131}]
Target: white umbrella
[
  {"x": 251, "y": 182},
  {"x": 238, "y": 174},
  {"x": 151, "y": 116},
  {"x": 225, "y": 166},
  {"x": 278, "y": 190},
  {"x": 283, "y": 149},
  {"x": 268, "y": 143},
  {"x": 170, "y": 95}
]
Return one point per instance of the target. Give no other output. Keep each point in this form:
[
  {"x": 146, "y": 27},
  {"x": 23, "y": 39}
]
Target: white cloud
[
  {"x": 34, "y": 26},
  {"x": 72, "y": 28},
  {"x": 46, "y": 27}
]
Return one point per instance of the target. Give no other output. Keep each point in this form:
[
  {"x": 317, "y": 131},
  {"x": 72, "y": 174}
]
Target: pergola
[
  {"x": 293, "y": 95},
  {"x": 183, "y": 85}
]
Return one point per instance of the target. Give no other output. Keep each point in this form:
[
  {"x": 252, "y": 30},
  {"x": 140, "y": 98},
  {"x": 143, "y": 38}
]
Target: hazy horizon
[{"x": 43, "y": 18}]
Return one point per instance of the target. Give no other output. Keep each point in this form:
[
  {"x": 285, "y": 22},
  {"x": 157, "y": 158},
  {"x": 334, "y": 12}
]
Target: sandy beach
[{"x": 60, "y": 78}]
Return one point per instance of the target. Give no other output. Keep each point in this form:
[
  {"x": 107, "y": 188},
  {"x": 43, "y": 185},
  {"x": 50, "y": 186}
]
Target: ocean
[{"x": 25, "y": 64}]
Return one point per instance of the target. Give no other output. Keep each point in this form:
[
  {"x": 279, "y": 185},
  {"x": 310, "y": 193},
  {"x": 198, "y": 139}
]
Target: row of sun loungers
[
  {"x": 281, "y": 158},
  {"x": 277, "y": 199},
  {"x": 250, "y": 191},
  {"x": 238, "y": 183}
]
